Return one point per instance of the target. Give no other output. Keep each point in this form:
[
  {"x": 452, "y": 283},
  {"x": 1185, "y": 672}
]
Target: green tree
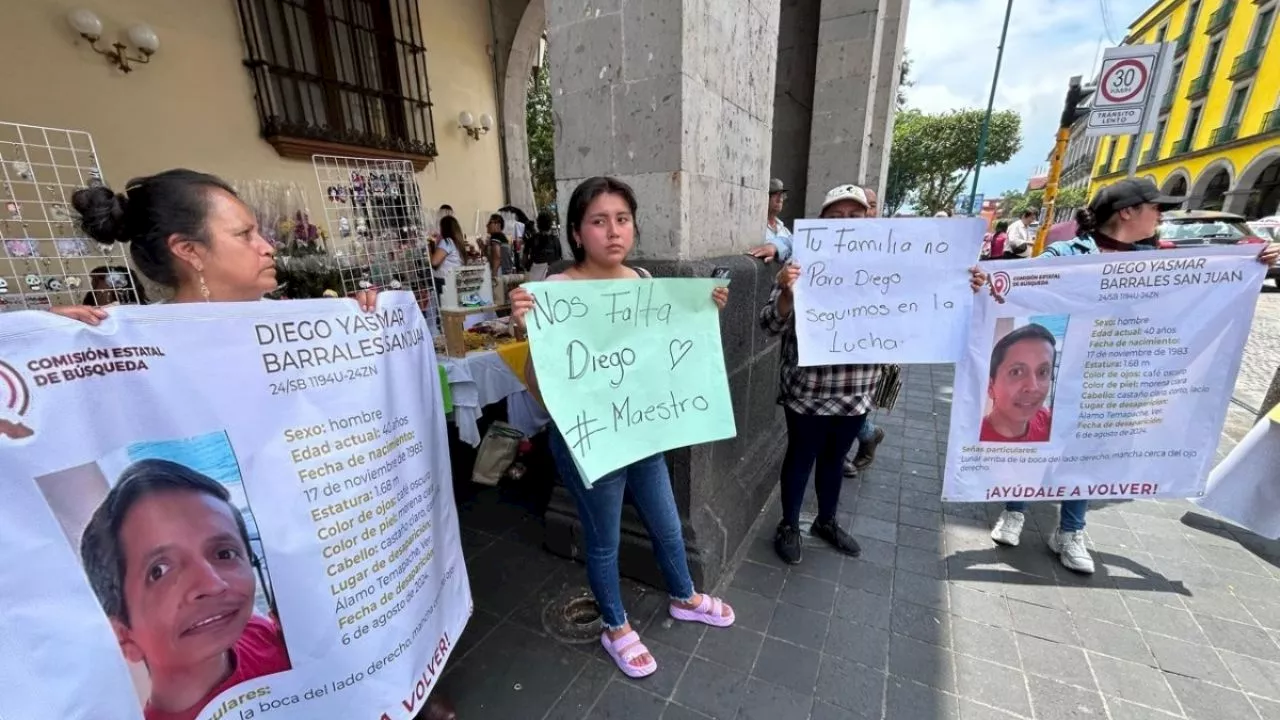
[
  {"x": 904, "y": 80},
  {"x": 933, "y": 155},
  {"x": 1015, "y": 202},
  {"x": 540, "y": 127},
  {"x": 1072, "y": 197}
]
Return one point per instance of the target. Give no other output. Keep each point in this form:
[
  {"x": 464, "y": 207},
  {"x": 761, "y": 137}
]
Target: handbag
[
  {"x": 888, "y": 387},
  {"x": 497, "y": 451}
]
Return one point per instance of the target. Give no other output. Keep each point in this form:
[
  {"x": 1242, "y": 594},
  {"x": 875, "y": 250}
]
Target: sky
[{"x": 952, "y": 45}]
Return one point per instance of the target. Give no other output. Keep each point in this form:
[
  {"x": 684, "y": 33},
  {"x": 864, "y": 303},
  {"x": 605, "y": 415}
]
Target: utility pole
[
  {"x": 1070, "y": 113},
  {"x": 991, "y": 101}
]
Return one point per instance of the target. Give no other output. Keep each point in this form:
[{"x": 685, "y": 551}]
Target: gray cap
[{"x": 776, "y": 186}]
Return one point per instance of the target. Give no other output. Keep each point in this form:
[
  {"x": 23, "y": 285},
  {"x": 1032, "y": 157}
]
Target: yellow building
[
  {"x": 1217, "y": 137},
  {"x": 252, "y": 98}
]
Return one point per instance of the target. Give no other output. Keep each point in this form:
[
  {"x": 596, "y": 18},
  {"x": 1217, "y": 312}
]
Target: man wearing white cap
[{"x": 777, "y": 238}]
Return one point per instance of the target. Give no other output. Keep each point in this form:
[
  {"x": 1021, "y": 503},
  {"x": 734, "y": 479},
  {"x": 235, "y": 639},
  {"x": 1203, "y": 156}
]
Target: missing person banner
[
  {"x": 1101, "y": 376},
  {"x": 630, "y": 368},
  {"x": 224, "y": 511},
  {"x": 876, "y": 291},
  {"x": 1243, "y": 488}
]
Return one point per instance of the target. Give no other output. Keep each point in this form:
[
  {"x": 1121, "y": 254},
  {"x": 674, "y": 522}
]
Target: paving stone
[
  {"x": 1036, "y": 592},
  {"x": 1202, "y": 701},
  {"x": 921, "y": 539},
  {"x": 979, "y": 606},
  {"x": 1220, "y": 604},
  {"x": 1054, "y": 660},
  {"x": 1056, "y": 701},
  {"x": 683, "y": 636},
  {"x": 482, "y": 684},
  {"x": 1256, "y": 677},
  {"x": 882, "y": 530},
  {"x": 921, "y": 623},
  {"x": 863, "y": 644},
  {"x": 1133, "y": 682},
  {"x": 992, "y": 684},
  {"x": 863, "y": 575},
  {"x": 876, "y": 509},
  {"x": 766, "y": 701},
  {"x": 710, "y": 688},
  {"x": 1240, "y": 638},
  {"x": 752, "y": 611},
  {"x": 819, "y": 562},
  {"x": 809, "y": 593},
  {"x": 627, "y": 702},
  {"x": 1195, "y": 660},
  {"x": 1267, "y": 709},
  {"x": 671, "y": 665},
  {"x": 985, "y": 641},
  {"x": 1125, "y": 710},
  {"x": 1098, "y": 603},
  {"x": 922, "y": 663},
  {"x": 923, "y": 562},
  {"x": 787, "y": 665},
  {"x": 970, "y": 710},
  {"x": 1043, "y": 622},
  {"x": 760, "y": 579},
  {"x": 876, "y": 552},
  {"x": 679, "y": 712},
  {"x": 799, "y": 626},
  {"x": 1165, "y": 620},
  {"x": 863, "y": 607},
  {"x": 733, "y": 646},
  {"x": 857, "y": 690},
  {"x": 920, "y": 518},
  {"x": 905, "y": 700},
  {"x": 920, "y": 589},
  {"x": 583, "y": 693},
  {"x": 1245, "y": 585},
  {"x": 1124, "y": 643}
]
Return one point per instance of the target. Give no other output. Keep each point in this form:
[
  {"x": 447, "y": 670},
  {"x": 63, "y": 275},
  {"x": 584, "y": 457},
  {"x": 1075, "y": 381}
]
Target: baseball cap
[
  {"x": 776, "y": 186},
  {"x": 1129, "y": 193},
  {"x": 845, "y": 192}
]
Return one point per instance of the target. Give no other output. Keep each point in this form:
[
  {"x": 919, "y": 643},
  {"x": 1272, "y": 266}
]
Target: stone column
[
  {"x": 889, "y": 64},
  {"x": 1236, "y": 201},
  {"x": 675, "y": 97},
  {"x": 850, "y": 37}
]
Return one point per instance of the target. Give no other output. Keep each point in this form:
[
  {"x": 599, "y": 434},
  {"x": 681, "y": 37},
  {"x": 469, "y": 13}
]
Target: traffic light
[{"x": 1071, "y": 111}]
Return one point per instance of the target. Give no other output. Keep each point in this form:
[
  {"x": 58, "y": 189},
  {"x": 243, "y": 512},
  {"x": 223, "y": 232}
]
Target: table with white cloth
[{"x": 483, "y": 378}]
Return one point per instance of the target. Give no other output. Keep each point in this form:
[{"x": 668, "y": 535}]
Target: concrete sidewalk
[{"x": 1182, "y": 619}]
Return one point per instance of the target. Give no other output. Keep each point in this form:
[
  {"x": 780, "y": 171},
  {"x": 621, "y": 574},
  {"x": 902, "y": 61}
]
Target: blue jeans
[
  {"x": 868, "y": 431},
  {"x": 600, "y": 509},
  {"x": 1070, "y": 519}
]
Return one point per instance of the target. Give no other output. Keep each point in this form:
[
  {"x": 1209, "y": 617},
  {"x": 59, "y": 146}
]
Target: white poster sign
[
  {"x": 1132, "y": 80},
  {"x": 1244, "y": 487},
  {"x": 222, "y": 511},
  {"x": 884, "y": 290},
  {"x": 1101, "y": 376}
]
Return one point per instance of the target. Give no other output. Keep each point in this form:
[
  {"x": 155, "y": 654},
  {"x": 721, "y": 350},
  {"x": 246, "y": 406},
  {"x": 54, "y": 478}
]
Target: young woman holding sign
[
  {"x": 191, "y": 233},
  {"x": 602, "y": 232},
  {"x": 825, "y": 406},
  {"x": 1123, "y": 217}
]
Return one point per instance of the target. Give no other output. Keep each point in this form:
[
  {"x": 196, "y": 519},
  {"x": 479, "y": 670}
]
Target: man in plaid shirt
[{"x": 825, "y": 407}]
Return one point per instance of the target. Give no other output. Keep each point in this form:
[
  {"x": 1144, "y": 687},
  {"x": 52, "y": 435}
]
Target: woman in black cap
[{"x": 1123, "y": 217}]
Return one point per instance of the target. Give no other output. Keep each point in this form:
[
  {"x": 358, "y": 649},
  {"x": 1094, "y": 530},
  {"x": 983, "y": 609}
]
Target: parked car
[{"x": 1180, "y": 229}]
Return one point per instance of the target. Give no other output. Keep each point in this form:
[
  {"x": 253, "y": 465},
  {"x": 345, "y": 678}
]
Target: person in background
[
  {"x": 190, "y": 232},
  {"x": 501, "y": 257},
  {"x": 602, "y": 233},
  {"x": 999, "y": 240},
  {"x": 1123, "y": 217},
  {"x": 520, "y": 234},
  {"x": 777, "y": 238},
  {"x": 446, "y": 252},
  {"x": 1021, "y": 240},
  {"x": 544, "y": 245},
  {"x": 870, "y": 437},
  {"x": 114, "y": 285}
]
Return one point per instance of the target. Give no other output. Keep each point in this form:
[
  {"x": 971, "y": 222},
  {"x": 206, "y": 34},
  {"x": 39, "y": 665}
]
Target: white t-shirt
[{"x": 451, "y": 257}]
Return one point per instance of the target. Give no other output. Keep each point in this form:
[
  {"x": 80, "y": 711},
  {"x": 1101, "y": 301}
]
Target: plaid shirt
[{"x": 821, "y": 390}]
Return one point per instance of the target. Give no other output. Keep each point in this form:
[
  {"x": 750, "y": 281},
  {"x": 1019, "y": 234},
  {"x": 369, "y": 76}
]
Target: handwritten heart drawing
[{"x": 678, "y": 349}]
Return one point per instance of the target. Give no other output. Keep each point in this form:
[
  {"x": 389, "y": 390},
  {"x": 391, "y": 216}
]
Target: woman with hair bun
[{"x": 187, "y": 231}]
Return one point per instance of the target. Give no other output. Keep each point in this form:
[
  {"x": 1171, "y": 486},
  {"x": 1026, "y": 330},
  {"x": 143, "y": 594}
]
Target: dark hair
[
  {"x": 447, "y": 207},
  {"x": 520, "y": 214},
  {"x": 1085, "y": 222},
  {"x": 496, "y": 218},
  {"x": 135, "y": 284},
  {"x": 585, "y": 194},
  {"x": 150, "y": 211},
  {"x": 1030, "y": 331},
  {"x": 1002, "y": 226},
  {"x": 545, "y": 221},
  {"x": 1027, "y": 213},
  {"x": 450, "y": 228},
  {"x": 100, "y": 545}
]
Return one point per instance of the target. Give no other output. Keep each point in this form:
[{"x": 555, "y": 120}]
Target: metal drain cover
[{"x": 573, "y": 617}]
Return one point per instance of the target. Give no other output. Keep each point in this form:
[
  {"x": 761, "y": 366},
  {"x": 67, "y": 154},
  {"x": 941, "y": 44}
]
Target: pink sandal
[
  {"x": 710, "y": 611},
  {"x": 628, "y": 648}
]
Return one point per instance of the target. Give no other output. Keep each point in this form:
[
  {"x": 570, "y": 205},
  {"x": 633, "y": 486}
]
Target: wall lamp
[
  {"x": 141, "y": 36},
  {"x": 474, "y": 129}
]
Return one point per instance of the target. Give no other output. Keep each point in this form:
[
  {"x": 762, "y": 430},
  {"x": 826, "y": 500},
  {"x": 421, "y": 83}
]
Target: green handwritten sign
[{"x": 629, "y": 368}]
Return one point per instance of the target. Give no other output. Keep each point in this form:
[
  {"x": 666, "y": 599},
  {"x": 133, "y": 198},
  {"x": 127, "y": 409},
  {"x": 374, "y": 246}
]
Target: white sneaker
[
  {"x": 1071, "y": 551},
  {"x": 1008, "y": 529}
]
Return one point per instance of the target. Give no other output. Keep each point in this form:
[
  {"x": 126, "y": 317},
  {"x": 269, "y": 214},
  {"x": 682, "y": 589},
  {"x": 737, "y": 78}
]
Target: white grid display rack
[
  {"x": 45, "y": 259},
  {"x": 377, "y": 228}
]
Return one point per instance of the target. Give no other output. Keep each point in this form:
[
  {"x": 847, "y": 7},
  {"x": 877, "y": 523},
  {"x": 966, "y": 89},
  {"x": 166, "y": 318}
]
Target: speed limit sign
[
  {"x": 1124, "y": 81},
  {"x": 1132, "y": 77}
]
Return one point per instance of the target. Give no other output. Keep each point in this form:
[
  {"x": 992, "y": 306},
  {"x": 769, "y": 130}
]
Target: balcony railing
[
  {"x": 1225, "y": 134},
  {"x": 1271, "y": 121},
  {"x": 1200, "y": 86},
  {"x": 1220, "y": 17},
  {"x": 1151, "y": 155},
  {"x": 1247, "y": 63},
  {"x": 1167, "y": 101},
  {"x": 1182, "y": 43},
  {"x": 1124, "y": 163},
  {"x": 1180, "y": 147}
]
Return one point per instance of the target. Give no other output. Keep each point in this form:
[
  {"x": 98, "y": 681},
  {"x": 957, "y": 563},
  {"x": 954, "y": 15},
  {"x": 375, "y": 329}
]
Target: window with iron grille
[{"x": 340, "y": 77}]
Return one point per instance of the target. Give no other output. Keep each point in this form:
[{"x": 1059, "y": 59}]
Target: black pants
[{"x": 823, "y": 440}]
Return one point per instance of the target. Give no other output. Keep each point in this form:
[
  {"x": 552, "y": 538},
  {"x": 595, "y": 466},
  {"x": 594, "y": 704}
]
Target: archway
[
  {"x": 1211, "y": 186},
  {"x": 1176, "y": 183},
  {"x": 526, "y": 50},
  {"x": 1262, "y": 181}
]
